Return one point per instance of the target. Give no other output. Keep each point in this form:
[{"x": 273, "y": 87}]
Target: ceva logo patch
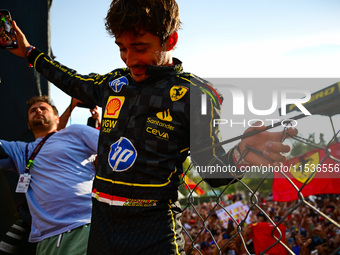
[
  {"x": 117, "y": 84},
  {"x": 122, "y": 155}
]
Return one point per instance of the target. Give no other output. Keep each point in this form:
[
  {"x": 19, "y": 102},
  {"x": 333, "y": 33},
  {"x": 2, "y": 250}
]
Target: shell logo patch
[
  {"x": 177, "y": 92},
  {"x": 113, "y": 107},
  {"x": 306, "y": 168}
]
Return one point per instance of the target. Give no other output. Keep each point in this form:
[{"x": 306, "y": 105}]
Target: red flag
[
  {"x": 193, "y": 185},
  {"x": 323, "y": 170}
]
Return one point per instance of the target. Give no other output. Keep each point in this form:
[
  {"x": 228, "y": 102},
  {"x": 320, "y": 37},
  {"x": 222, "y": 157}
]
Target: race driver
[{"x": 148, "y": 127}]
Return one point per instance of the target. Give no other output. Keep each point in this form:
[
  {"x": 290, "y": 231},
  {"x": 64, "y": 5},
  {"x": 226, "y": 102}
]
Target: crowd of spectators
[{"x": 308, "y": 230}]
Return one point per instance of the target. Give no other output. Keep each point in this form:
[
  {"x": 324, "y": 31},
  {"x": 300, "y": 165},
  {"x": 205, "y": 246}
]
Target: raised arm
[
  {"x": 67, "y": 113},
  {"x": 23, "y": 44},
  {"x": 84, "y": 87}
]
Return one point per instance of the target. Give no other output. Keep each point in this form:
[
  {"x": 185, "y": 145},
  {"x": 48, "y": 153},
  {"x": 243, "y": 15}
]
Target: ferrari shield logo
[
  {"x": 306, "y": 168},
  {"x": 177, "y": 92}
]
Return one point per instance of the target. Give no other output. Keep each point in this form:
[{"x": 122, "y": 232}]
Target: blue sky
[{"x": 220, "y": 38}]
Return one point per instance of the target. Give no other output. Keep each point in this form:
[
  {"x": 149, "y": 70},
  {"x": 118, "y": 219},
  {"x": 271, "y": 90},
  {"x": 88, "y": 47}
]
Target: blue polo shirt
[{"x": 59, "y": 196}]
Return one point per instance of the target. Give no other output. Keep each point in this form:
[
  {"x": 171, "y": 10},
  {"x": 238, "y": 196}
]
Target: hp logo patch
[
  {"x": 117, "y": 84},
  {"x": 122, "y": 155}
]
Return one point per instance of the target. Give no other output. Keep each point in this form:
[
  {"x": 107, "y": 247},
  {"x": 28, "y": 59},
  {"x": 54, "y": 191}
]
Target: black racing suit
[{"x": 144, "y": 139}]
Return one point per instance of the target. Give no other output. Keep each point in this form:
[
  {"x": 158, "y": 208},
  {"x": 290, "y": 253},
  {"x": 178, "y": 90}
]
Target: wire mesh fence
[{"x": 245, "y": 218}]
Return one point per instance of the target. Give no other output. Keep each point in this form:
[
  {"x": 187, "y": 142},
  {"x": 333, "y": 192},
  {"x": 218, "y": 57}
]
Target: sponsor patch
[
  {"x": 122, "y": 155},
  {"x": 108, "y": 125},
  {"x": 177, "y": 92},
  {"x": 165, "y": 115},
  {"x": 113, "y": 106},
  {"x": 160, "y": 124},
  {"x": 158, "y": 134},
  {"x": 122, "y": 201},
  {"x": 117, "y": 84}
]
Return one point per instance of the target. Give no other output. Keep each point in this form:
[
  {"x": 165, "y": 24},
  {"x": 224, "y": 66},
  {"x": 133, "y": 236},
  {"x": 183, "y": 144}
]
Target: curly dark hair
[
  {"x": 159, "y": 17},
  {"x": 44, "y": 99}
]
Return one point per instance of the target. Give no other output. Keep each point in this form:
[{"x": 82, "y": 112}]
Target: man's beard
[{"x": 40, "y": 124}]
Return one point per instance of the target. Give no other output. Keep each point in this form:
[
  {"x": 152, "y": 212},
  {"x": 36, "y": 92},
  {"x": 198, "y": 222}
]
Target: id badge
[{"x": 23, "y": 183}]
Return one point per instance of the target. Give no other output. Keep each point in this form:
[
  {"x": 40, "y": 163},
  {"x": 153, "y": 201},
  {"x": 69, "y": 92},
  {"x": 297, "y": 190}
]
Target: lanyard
[{"x": 35, "y": 152}]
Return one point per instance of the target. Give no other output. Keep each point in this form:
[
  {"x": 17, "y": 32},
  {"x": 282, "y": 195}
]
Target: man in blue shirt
[{"x": 61, "y": 175}]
